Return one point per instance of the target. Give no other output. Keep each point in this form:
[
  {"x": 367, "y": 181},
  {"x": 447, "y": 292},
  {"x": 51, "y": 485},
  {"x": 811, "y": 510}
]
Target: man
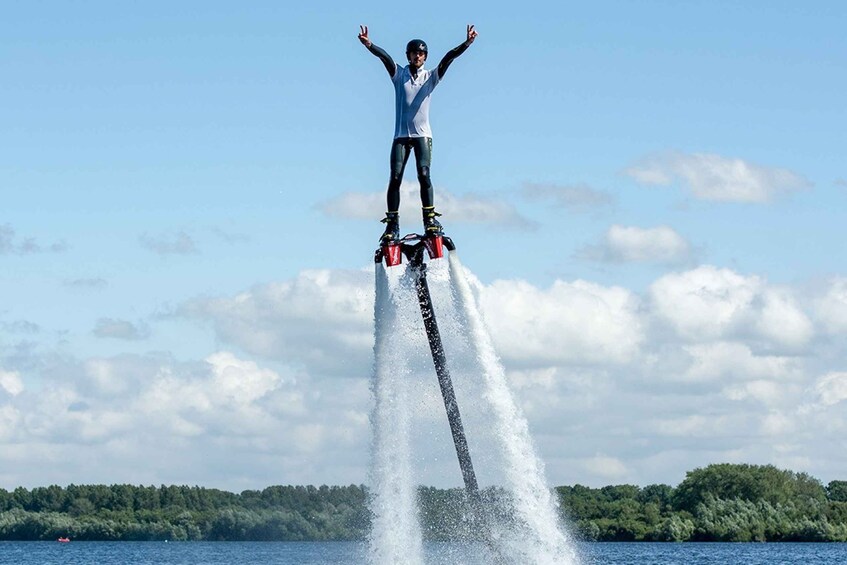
[{"x": 413, "y": 86}]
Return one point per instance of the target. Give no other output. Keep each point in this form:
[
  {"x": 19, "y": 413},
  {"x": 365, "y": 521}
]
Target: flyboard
[{"x": 412, "y": 246}]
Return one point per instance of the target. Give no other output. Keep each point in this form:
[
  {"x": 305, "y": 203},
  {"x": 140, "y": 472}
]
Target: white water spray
[
  {"x": 540, "y": 536},
  {"x": 395, "y": 532},
  {"x": 529, "y": 532}
]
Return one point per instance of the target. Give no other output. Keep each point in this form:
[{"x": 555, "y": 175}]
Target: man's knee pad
[{"x": 423, "y": 175}]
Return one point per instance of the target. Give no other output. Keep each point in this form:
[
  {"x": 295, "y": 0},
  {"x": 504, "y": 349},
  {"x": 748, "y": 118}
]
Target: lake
[{"x": 332, "y": 553}]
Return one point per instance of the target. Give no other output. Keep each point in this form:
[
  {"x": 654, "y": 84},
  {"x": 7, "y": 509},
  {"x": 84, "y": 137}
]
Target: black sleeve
[
  {"x": 386, "y": 59},
  {"x": 448, "y": 58}
]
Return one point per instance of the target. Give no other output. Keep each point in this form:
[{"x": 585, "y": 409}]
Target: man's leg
[
  {"x": 423, "y": 159},
  {"x": 398, "y": 159}
]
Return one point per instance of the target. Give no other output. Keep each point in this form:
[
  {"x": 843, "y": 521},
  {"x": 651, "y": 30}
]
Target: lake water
[{"x": 332, "y": 553}]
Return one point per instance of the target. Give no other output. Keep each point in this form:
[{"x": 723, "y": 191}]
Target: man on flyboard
[{"x": 413, "y": 86}]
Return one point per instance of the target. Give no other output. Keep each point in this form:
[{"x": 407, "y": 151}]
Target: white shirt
[{"x": 411, "y": 95}]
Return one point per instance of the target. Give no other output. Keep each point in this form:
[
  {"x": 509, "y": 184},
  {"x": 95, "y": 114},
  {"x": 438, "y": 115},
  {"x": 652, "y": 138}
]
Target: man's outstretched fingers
[{"x": 363, "y": 35}]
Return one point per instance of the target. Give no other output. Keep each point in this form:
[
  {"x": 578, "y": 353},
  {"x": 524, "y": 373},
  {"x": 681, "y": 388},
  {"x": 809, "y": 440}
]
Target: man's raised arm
[
  {"x": 386, "y": 59},
  {"x": 456, "y": 51}
]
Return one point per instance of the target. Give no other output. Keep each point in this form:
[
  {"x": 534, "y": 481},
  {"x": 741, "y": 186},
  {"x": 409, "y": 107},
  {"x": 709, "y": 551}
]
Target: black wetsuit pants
[{"x": 400, "y": 148}]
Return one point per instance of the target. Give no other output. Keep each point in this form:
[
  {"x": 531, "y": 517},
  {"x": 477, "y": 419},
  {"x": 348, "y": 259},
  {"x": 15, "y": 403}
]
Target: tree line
[
  {"x": 723, "y": 502},
  {"x": 182, "y": 513}
]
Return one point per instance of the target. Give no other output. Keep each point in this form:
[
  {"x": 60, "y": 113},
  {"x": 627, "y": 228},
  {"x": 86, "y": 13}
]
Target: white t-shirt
[{"x": 411, "y": 97}]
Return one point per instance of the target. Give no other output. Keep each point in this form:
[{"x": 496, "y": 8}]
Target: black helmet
[{"x": 417, "y": 45}]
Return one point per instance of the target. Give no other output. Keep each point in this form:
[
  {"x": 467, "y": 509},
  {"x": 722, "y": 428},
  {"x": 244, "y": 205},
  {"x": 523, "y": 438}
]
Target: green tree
[
  {"x": 746, "y": 482},
  {"x": 837, "y": 491},
  {"x": 675, "y": 528}
]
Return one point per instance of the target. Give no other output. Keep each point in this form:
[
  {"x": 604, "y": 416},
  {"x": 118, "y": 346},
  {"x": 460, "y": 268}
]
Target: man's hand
[
  {"x": 363, "y": 35},
  {"x": 471, "y": 34}
]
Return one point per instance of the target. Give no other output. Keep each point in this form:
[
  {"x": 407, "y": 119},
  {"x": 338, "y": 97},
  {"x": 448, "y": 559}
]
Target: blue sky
[{"x": 162, "y": 167}]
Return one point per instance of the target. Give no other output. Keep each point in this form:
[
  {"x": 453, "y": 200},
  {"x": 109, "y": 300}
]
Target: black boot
[
  {"x": 431, "y": 225},
  {"x": 392, "y": 228}
]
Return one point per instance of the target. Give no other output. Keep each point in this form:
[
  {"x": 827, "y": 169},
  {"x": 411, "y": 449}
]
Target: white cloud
[
  {"x": 101, "y": 374},
  {"x": 575, "y": 197},
  {"x": 568, "y": 322},
  {"x": 651, "y": 174},
  {"x": 604, "y": 466},
  {"x": 467, "y": 209},
  {"x": 711, "y": 303},
  {"x": 706, "y": 365},
  {"x": 11, "y": 382},
  {"x": 240, "y": 381},
  {"x": 693, "y": 425},
  {"x": 713, "y": 177},
  {"x": 321, "y": 319},
  {"x": 832, "y": 388},
  {"x": 782, "y": 321},
  {"x": 767, "y": 392},
  {"x": 707, "y": 354},
  {"x": 629, "y": 244},
  {"x": 225, "y": 399},
  {"x": 226, "y": 420},
  {"x": 831, "y": 307},
  {"x": 704, "y": 303},
  {"x": 732, "y": 360},
  {"x": 778, "y": 425}
]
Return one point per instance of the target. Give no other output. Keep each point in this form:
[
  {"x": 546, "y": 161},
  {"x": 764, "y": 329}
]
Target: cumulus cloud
[
  {"x": 630, "y": 244},
  {"x": 574, "y": 197},
  {"x": 323, "y": 319},
  {"x": 120, "y": 329},
  {"x": 10, "y": 381},
  {"x": 179, "y": 243},
  {"x": 778, "y": 424},
  {"x": 706, "y": 353},
  {"x": 469, "y": 209},
  {"x": 226, "y": 393},
  {"x": 781, "y": 320},
  {"x": 714, "y": 177},
  {"x": 708, "y": 303},
  {"x": 831, "y": 307},
  {"x": 610, "y": 468},
  {"x": 224, "y": 420},
  {"x": 767, "y": 392},
  {"x": 578, "y": 321},
  {"x": 705, "y": 365},
  {"x": 693, "y": 425},
  {"x": 832, "y": 388},
  {"x": 704, "y": 303},
  {"x": 735, "y": 361},
  {"x": 11, "y": 245}
]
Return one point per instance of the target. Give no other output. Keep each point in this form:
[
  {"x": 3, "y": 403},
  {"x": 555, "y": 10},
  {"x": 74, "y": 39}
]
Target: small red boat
[{"x": 63, "y": 540}]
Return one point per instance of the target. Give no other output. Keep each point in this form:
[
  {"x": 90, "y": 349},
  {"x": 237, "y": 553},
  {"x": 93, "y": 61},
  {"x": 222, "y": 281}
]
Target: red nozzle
[
  {"x": 393, "y": 256},
  {"x": 434, "y": 246}
]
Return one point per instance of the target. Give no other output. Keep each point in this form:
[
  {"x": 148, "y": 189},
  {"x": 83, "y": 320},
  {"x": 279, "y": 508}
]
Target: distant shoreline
[{"x": 718, "y": 503}]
